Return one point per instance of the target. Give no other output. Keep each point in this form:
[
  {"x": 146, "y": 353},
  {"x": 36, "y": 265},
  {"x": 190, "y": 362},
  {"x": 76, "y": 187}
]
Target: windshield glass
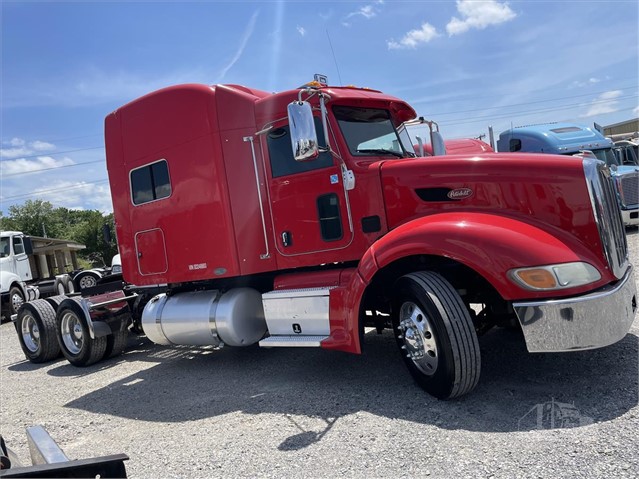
[
  {"x": 369, "y": 131},
  {"x": 626, "y": 156},
  {"x": 4, "y": 246},
  {"x": 606, "y": 155}
]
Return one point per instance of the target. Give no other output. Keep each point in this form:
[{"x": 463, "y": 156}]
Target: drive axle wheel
[
  {"x": 435, "y": 335},
  {"x": 74, "y": 338},
  {"x": 36, "y": 331},
  {"x": 86, "y": 279}
]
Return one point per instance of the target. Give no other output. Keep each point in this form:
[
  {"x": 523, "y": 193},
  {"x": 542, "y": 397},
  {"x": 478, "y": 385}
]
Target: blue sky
[{"x": 465, "y": 64}]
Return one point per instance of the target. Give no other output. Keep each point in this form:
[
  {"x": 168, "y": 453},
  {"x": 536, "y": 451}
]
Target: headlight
[
  {"x": 555, "y": 276},
  {"x": 116, "y": 269}
]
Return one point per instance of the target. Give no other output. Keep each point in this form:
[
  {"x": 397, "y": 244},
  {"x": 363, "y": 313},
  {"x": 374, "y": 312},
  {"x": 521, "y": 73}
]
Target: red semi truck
[{"x": 299, "y": 218}]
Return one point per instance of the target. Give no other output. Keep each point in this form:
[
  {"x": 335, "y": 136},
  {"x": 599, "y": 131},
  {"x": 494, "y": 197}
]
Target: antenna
[{"x": 339, "y": 77}]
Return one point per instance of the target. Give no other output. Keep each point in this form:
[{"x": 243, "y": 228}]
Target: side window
[
  {"x": 18, "y": 246},
  {"x": 280, "y": 152},
  {"x": 150, "y": 183},
  {"x": 515, "y": 145}
]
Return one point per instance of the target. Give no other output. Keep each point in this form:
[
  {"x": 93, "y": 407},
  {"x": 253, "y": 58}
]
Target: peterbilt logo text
[{"x": 460, "y": 193}]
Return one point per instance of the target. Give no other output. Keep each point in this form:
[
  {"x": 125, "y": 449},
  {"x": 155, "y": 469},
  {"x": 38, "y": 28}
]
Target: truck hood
[
  {"x": 548, "y": 191},
  {"x": 625, "y": 170}
]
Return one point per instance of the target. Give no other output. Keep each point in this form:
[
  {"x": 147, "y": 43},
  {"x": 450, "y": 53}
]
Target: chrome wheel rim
[
  {"x": 87, "y": 282},
  {"x": 72, "y": 333},
  {"x": 30, "y": 333},
  {"x": 418, "y": 338},
  {"x": 16, "y": 301}
]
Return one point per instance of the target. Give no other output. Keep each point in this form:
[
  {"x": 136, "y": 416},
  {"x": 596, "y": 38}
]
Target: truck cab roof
[{"x": 559, "y": 138}]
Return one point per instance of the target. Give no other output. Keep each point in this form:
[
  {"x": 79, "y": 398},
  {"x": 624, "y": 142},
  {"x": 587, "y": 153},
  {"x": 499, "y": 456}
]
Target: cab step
[{"x": 292, "y": 341}]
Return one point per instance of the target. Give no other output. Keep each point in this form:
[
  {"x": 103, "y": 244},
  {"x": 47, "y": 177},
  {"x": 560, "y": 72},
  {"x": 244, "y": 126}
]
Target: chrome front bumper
[
  {"x": 591, "y": 321},
  {"x": 630, "y": 217}
]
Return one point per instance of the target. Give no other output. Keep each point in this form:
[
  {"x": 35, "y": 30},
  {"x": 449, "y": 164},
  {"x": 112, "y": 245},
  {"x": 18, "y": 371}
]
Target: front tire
[
  {"x": 16, "y": 299},
  {"x": 436, "y": 335},
  {"x": 74, "y": 338},
  {"x": 37, "y": 331}
]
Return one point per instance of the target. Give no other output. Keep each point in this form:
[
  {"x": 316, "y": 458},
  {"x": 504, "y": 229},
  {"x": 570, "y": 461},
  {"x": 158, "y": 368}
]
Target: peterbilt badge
[{"x": 460, "y": 193}]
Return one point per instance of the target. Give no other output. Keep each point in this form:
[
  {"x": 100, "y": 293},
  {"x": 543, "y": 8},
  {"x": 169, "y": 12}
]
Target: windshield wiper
[{"x": 383, "y": 151}]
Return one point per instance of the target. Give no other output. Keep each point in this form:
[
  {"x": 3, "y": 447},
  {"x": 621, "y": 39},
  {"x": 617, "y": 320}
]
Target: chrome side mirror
[
  {"x": 437, "y": 141},
  {"x": 303, "y": 133}
]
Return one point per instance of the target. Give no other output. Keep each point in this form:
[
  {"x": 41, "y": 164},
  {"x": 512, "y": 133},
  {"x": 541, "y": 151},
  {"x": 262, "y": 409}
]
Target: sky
[{"x": 465, "y": 64}]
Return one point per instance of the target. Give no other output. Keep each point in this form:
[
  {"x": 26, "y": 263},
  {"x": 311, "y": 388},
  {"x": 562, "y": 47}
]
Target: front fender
[
  {"x": 7, "y": 279},
  {"x": 489, "y": 244}
]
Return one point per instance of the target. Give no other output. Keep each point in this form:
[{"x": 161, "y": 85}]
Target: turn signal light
[
  {"x": 555, "y": 276},
  {"x": 537, "y": 278}
]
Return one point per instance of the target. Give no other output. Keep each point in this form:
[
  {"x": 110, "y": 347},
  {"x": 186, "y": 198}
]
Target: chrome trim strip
[
  {"x": 605, "y": 208},
  {"x": 267, "y": 254},
  {"x": 289, "y": 341},
  {"x": 584, "y": 322}
]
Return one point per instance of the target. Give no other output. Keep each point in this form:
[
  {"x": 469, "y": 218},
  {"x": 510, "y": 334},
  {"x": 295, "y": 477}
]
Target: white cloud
[
  {"x": 301, "y": 30},
  {"x": 479, "y": 15},
  {"x": 605, "y": 103},
  {"x": 367, "y": 11},
  {"x": 414, "y": 37},
  {"x": 636, "y": 110},
  {"x": 14, "y": 152},
  {"x": 240, "y": 49},
  {"x": 42, "y": 145},
  {"x": 22, "y": 148},
  {"x": 22, "y": 165},
  {"x": 78, "y": 195},
  {"x": 590, "y": 81}
]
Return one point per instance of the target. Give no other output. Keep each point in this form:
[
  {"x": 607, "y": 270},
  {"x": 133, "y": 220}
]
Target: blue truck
[{"x": 573, "y": 139}]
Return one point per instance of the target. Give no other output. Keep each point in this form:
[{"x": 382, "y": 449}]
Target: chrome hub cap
[
  {"x": 87, "y": 282},
  {"x": 416, "y": 333},
  {"x": 72, "y": 333},
  {"x": 30, "y": 333},
  {"x": 16, "y": 301}
]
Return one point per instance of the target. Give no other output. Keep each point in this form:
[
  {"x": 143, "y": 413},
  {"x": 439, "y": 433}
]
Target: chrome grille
[
  {"x": 607, "y": 214},
  {"x": 629, "y": 188}
]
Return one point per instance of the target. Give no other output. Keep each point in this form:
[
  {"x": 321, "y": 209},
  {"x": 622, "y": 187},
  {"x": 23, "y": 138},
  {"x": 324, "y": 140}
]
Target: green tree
[{"x": 34, "y": 217}]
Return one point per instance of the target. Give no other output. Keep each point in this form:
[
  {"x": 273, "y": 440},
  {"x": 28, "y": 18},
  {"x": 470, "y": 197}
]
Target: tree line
[{"x": 40, "y": 218}]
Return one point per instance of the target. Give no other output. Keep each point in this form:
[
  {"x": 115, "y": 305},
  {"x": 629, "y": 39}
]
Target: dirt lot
[{"x": 193, "y": 412}]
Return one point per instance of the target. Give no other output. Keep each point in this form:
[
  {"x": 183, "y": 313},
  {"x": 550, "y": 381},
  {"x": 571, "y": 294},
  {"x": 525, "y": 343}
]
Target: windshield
[
  {"x": 369, "y": 132},
  {"x": 4, "y": 246},
  {"x": 626, "y": 156},
  {"x": 607, "y": 156}
]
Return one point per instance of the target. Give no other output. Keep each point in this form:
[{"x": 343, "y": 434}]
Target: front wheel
[
  {"x": 74, "y": 338},
  {"x": 435, "y": 335},
  {"x": 16, "y": 299}
]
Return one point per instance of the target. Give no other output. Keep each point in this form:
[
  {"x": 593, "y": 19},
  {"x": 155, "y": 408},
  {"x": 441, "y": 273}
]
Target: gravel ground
[{"x": 193, "y": 412}]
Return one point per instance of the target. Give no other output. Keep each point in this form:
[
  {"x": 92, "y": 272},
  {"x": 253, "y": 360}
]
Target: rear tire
[
  {"x": 55, "y": 301},
  {"x": 436, "y": 335},
  {"x": 36, "y": 329},
  {"x": 73, "y": 335},
  {"x": 116, "y": 343},
  {"x": 86, "y": 279}
]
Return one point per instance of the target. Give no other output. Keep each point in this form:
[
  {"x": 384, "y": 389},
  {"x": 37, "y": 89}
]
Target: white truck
[{"x": 32, "y": 267}]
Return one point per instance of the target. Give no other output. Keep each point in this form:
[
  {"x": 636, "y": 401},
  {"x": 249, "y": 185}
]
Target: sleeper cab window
[{"x": 150, "y": 183}]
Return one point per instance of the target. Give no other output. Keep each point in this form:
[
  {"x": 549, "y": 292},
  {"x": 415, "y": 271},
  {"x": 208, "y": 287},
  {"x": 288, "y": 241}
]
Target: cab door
[
  {"x": 23, "y": 269},
  {"x": 308, "y": 201}
]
